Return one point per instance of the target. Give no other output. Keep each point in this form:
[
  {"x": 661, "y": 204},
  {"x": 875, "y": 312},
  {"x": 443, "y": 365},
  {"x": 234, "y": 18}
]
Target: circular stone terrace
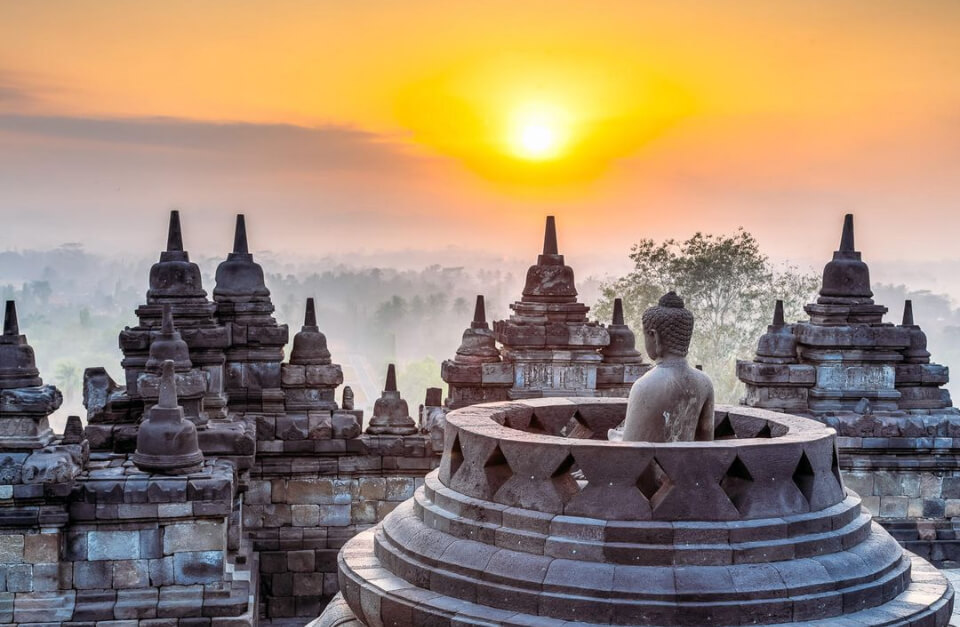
[{"x": 534, "y": 518}]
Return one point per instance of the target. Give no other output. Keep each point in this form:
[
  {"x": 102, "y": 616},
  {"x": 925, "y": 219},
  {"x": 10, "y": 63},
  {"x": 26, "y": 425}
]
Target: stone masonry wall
[
  {"x": 300, "y": 509},
  {"x": 126, "y": 548}
]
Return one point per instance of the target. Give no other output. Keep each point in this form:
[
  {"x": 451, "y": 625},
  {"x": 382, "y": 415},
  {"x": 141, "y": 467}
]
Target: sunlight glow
[
  {"x": 538, "y": 133},
  {"x": 537, "y": 140}
]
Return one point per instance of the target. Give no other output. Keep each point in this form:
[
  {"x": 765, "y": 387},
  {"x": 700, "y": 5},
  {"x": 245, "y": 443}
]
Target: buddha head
[{"x": 667, "y": 328}]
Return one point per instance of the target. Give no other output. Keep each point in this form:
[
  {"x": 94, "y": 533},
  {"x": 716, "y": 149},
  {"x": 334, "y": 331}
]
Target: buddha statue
[{"x": 673, "y": 401}]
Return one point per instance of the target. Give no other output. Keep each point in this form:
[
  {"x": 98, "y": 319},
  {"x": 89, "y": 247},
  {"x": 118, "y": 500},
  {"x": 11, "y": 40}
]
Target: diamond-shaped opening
[
  {"x": 456, "y": 456},
  {"x": 496, "y": 469},
  {"x": 565, "y": 467},
  {"x": 564, "y": 479},
  {"x": 804, "y": 476},
  {"x": 652, "y": 480},
  {"x": 577, "y": 428},
  {"x": 724, "y": 430},
  {"x": 536, "y": 426},
  {"x": 835, "y": 467},
  {"x": 764, "y": 432},
  {"x": 736, "y": 482}
]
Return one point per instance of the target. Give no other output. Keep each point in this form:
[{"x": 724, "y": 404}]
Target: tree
[
  {"x": 68, "y": 377},
  {"x": 728, "y": 285}
]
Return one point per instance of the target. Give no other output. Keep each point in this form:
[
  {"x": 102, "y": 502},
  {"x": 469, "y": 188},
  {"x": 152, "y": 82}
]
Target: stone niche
[{"x": 522, "y": 526}]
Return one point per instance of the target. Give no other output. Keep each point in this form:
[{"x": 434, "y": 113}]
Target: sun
[
  {"x": 537, "y": 141},
  {"x": 537, "y": 133}
]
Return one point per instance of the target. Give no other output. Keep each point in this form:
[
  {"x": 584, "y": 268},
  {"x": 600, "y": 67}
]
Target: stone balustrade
[{"x": 533, "y": 518}]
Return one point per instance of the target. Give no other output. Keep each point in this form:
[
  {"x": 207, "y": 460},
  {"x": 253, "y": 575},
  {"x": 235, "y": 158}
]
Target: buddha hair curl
[{"x": 672, "y": 322}]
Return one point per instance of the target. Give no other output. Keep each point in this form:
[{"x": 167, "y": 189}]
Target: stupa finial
[
  {"x": 480, "y": 311},
  {"x": 617, "y": 311},
  {"x": 240, "y": 236},
  {"x": 310, "y": 315},
  {"x": 846, "y": 239},
  {"x": 391, "y": 385},
  {"x": 168, "y": 387},
  {"x": 10, "y": 324},
  {"x": 174, "y": 234},
  {"x": 908, "y": 313},
  {"x": 550, "y": 237},
  {"x": 778, "y": 314}
]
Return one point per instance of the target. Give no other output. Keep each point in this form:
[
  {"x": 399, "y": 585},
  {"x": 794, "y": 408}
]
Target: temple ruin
[{"x": 874, "y": 382}]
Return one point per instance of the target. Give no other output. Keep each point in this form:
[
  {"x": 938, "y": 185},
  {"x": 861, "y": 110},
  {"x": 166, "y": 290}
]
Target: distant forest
[{"x": 73, "y": 303}]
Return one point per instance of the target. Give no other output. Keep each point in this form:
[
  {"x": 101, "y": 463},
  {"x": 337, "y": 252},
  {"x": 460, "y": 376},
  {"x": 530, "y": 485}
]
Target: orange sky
[{"x": 401, "y": 125}]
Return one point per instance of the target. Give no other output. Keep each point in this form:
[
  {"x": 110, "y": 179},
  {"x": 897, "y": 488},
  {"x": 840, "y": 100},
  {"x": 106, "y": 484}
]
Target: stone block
[
  {"x": 329, "y": 375},
  {"x": 92, "y": 575},
  {"x": 364, "y": 512},
  {"x": 198, "y": 567},
  {"x": 11, "y": 548},
  {"x": 150, "y": 544},
  {"x": 41, "y": 547},
  {"x": 174, "y": 510},
  {"x": 334, "y": 515},
  {"x": 46, "y": 577},
  {"x": 50, "y": 608},
  {"x": 179, "y": 601},
  {"x": 161, "y": 571},
  {"x": 307, "y": 584},
  {"x": 372, "y": 488},
  {"x": 893, "y": 506},
  {"x": 399, "y": 488},
  {"x": 312, "y": 491},
  {"x": 292, "y": 427},
  {"x": 94, "y": 605},
  {"x": 300, "y": 561},
  {"x": 384, "y": 508},
  {"x": 305, "y": 515},
  {"x": 933, "y": 508},
  {"x": 20, "y": 578},
  {"x": 930, "y": 484},
  {"x": 319, "y": 425},
  {"x": 499, "y": 373},
  {"x": 345, "y": 425},
  {"x": 871, "y": 504},
  {"x": 113, "y": 545},
  {"x": 6, "y": 607},
  {"x": 136, "y": 604},
  {"x": 952, "y": 508},
  {"x": 197, "y": 536},
  {"x": 293, "y": 375},
  {"x": 950, "y": 488},
  {"x": 131, "y": 574}
]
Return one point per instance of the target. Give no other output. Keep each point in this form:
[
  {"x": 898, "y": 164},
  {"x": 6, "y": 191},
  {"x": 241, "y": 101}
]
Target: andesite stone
[
  {"x": 166, "y": 441},
  {"x": 390, "y": 412}
]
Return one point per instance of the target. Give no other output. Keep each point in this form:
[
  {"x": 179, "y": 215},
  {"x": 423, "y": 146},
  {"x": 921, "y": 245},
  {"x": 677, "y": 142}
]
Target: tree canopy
[{"x": 728, "y": 284}]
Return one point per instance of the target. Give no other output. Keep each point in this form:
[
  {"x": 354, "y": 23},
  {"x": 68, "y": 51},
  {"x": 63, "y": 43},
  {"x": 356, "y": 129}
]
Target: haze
[{"x": 434, "y": 127}]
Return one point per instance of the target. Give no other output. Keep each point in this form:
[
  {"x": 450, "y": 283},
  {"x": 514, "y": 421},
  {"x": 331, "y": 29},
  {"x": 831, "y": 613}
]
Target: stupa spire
[
  {"x": 617, "y": 311},
  {"x": 10, "y": 324},
  {"x": 908, "y": 313},
  {"x": 778, "y": 314},
  {"x": 310, "y": 315},
  {"x": 240, "y": 236},
  {"x": 391, "y": 385},
  {"x": 479, "y": 314},
  {"x": 550, "y": 237},
  {"x": 846, "y": 238},
  {"x": 174, "y": 234}
]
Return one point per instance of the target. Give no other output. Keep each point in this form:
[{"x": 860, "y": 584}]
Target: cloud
[{"x": 276, "y": 146}]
